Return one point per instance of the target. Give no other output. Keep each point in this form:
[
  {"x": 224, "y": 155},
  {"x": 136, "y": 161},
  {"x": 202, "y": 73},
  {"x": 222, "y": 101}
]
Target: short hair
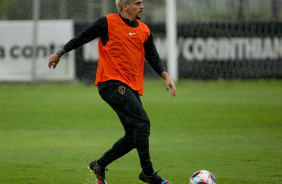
[{"x": 119, "y": 3}]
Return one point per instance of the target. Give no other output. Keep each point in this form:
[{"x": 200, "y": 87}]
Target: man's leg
[
  {"x": 120, "y": 148},
  {"x": 128, "y": 107}
]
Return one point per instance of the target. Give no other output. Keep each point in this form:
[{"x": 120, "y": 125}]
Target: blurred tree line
[{"x": 187, "y": 10}]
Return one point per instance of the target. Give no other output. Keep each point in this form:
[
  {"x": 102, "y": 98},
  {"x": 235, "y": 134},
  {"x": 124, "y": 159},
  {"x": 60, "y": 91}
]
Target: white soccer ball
[{"x": 202, "y": 177}]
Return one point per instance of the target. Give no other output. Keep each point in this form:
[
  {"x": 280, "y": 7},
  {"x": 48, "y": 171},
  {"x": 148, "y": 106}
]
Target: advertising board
[{"x": 17, "y": 51}]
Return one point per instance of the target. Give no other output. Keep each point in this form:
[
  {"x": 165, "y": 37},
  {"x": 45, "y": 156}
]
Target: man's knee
[{"x": 143, "y": 128}]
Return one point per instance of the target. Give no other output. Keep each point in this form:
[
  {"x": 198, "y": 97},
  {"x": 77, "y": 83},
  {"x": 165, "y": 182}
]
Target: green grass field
[{"x": 50, "y": 132}]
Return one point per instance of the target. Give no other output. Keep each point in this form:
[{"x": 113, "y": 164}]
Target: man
[{"x": 123, "y": 45}]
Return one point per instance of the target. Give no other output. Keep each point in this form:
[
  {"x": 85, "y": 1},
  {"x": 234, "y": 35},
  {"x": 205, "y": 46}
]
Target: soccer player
[{"x": 123, "y": 45}]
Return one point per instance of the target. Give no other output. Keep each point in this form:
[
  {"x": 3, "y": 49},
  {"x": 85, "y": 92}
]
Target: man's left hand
[{"x": 169, "y": 83}]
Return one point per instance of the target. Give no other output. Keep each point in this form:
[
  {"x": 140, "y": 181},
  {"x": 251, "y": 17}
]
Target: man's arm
[
  {"x": 154, "y": 60},
  {"x": 98, "y": 29},
  {"x": 152, "y": 56}
]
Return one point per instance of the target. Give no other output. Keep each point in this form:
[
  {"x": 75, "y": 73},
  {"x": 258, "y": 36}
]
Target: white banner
[{"x": 16, "y": 50}]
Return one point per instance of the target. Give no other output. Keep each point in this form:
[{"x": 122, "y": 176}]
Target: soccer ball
[{"x": 202, "y": 177}]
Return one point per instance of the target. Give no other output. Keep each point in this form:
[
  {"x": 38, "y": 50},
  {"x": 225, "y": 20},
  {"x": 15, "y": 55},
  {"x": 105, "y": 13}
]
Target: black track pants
[{"x": 128, "y": 106}]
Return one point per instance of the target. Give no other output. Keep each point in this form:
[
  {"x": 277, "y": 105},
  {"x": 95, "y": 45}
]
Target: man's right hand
[{"x": 54, "y": 60}]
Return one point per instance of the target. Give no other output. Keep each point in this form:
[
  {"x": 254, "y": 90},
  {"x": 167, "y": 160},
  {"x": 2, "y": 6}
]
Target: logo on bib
[{"x": 132, "y": 33}]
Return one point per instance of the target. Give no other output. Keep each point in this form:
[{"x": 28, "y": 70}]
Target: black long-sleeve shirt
[{"x": 100, "y": 29}]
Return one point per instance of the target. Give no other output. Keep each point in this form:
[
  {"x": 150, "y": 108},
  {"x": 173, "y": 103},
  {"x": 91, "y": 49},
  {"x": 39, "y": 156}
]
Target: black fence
[{"x": 212, "y": 50}]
